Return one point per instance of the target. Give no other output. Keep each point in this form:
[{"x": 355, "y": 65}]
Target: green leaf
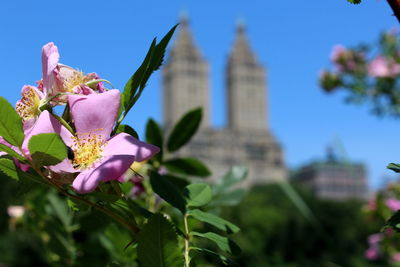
[
  {"x": 394, "y": 167},
  {"x": 47, "y": 149},
  {"x": 230, "y": 198},
  {"x": 235, "y": 176},
  {"x": 158, "y": 244},
  {"x": 122, "y": 128},
  {"x": 136, "y": 79},
  {"x": 222, "y": 258},
  {"x": 394, "y": 221},
  {"x": 12, "y": 152},
  {"x": 154, "y": 136},
  {"x": 10, "y": 124},
  {"x": 8, "y": 167},
  {"x": 355, "y": 2},
  {"x": 198, "y": 195},
  {"x": 167, "y": 191},
  {"x": 214, "y": 220},
  {"x": 222, "y": 242},
  {"x": 153, "y": 60},
  {"x": 187, "y": 166},
  {"x": 185, "y": 128}
]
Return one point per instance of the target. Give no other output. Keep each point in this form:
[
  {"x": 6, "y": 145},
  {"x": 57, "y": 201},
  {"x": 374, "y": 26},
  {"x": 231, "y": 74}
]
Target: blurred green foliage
[{"x": 275, "y": 233}]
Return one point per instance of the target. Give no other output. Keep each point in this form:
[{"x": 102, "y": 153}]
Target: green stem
[
  {"x": 187, "y": 240},
  {"x": 64, "y": 123},
  {"x": 109, "y": 213},
  {"x": 93, "y": 82}
]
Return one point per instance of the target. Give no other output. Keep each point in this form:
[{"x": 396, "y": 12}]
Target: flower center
[
  {"x": 28, "y": 106},
  {"x": 77, "y": 78},
  {"x": 87, "y": 148}
]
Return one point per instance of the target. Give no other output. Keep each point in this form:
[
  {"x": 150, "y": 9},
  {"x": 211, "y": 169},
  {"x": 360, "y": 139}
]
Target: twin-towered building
[{"x": 246, "y": 140}]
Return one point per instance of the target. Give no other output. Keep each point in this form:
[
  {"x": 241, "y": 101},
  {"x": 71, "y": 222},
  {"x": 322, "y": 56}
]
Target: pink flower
[
  {"x": 396, "y": 257},
  {"x": 338, "y": 52},
  {"x": 383, "y": 67},
  {"x": 59, "y": 78},
  {"x": 393, "y": 204},
  {"x": 374, "y": 239},
  {"x": 138, "y": 187},
  {"x": 371, "y": 204},
  {"x": 28, "y": 107},
  {"x": 15, "y": 211},
  {"x": 23, "y": 167},
  {"x": 346, "y": 60},
  {"x": 372, "y": 253},
  {"x": 96, "y": 156}
]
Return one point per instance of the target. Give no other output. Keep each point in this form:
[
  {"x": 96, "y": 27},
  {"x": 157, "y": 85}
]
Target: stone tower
[
  {"x": 246, "y": 140},
  {"x": 246, "y": 87},
  {"x": 185, "y": 79}
]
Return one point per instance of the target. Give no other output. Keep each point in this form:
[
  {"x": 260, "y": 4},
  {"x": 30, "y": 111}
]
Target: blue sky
[{"x": 293, "y": 39}]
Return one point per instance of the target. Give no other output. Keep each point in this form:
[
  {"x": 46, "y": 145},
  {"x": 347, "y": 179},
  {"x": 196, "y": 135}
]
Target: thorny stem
[
  {"x": 187, "y": 237},
  {"x": 116, "y": 217},
  {"x": 395, "y": 5}
]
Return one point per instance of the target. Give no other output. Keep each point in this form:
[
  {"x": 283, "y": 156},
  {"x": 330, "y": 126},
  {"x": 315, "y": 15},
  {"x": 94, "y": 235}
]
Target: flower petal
[
  {"x": 46, "y": 123},
  {"x": 63, "y": 166},
  {"x": 125, "y": 144},
  {"x": 50, "y": 57},
  {"x": 95, "y": 113},
  {"x": 110, "y": 169}
]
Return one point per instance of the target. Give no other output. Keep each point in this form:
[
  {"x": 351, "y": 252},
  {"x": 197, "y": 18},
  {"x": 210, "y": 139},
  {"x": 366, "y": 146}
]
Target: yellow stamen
[
  {"x": 77, "y": 78},
  {"x": 28, "y": 106},
  {"x": 88, "y": 149}
]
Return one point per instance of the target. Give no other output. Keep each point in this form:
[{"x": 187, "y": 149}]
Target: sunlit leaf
[
  {"x": 10, "y": 124},
  {"x": 214, "y": 220},
  {"x": 222, "y": 242},
  {"x": 47, "y": 149},
  {"x": 198, "y": 195},
  {"x": 184, "y": 129}
]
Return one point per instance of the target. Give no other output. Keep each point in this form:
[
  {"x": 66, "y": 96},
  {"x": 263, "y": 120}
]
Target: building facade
[
  {"x": 247, "y": 139},
  {"x": 335, "y": 180}
]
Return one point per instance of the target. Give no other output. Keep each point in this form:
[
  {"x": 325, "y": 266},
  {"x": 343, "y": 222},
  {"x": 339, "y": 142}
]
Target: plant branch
[
  {"x": 109, "y": 213},
  {"x": 395, "y": 5},
  {"x": 187, "y": 237}
]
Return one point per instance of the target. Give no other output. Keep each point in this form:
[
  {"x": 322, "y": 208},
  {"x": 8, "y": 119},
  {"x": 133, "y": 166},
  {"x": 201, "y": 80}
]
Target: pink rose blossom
[
  {"x": 338, "y": 52},
  {"x": 97, "y": 156},
  {"x": 383, "y": 67},
  {"x": 374, "y": 239},
  {"x": 59, "y": 78},
  {"x": 15, "y": 211},
  {"x": 393, "y": 204},
  {"x": 371, "y": 204},
  {"x": 372, "y": 253},
  {"x": 396, "y": 257}
]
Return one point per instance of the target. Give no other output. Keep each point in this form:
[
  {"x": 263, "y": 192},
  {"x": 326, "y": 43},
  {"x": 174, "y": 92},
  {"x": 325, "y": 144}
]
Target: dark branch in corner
[{"x": 395, "y": 5}]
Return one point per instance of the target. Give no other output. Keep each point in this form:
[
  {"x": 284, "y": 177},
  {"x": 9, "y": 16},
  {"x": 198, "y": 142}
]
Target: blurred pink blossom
[
  {"x": 396, "y": 257},
  {"x": 344, "y": 59},
  {"x": 383, "y": 67},
  {"x": 15, "y": 211},
  {"x": 393, "y": 204},
  {"x": 372, "y": 253},
  {"x": 374, "y": 239},
  {"x": 338, "y": 52},
  {"x": 371, "y": 204}
]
